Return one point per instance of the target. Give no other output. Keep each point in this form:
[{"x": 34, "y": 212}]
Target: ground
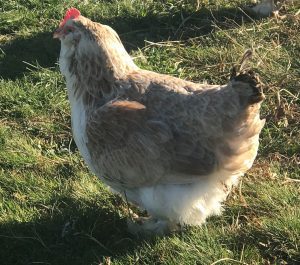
[{"x": 54, "y": 211}]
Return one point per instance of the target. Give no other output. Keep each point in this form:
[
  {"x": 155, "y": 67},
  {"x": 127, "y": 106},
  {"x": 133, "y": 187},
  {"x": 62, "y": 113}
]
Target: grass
[{"x": 53, "y": 211}]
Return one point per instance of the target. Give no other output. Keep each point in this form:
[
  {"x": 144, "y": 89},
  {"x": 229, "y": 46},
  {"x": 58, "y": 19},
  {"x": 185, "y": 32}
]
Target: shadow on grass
[
  {"x": 42, "y": 49},
  {"x": 38, "y": 49},
  {"x": 72, "y": 235}
]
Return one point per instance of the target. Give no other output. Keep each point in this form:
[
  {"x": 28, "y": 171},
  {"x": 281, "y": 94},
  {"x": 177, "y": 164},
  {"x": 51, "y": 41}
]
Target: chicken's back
[
  {"x": 211, "y": 126},
  {"x": 215, "y": 137}
]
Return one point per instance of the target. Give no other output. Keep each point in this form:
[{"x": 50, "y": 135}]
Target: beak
[{"x": 58, "y": 33}]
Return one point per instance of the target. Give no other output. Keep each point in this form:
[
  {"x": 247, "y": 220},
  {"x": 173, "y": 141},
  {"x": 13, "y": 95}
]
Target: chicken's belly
[{"x": 185, "y": 204}]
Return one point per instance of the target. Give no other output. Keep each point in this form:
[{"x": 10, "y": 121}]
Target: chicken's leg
[{"x": 150, "y": 226}]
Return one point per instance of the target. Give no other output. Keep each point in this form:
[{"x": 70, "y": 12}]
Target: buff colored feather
[{"x": 171, "y": 146}]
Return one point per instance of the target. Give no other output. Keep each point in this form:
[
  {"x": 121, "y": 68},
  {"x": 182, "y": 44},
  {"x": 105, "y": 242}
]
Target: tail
[
  {"x": 247, "y": 81},
  {"x": 243, "y": 138}
]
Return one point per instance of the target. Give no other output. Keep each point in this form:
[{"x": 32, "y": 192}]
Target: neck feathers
[{"x": 97, "y": 63}]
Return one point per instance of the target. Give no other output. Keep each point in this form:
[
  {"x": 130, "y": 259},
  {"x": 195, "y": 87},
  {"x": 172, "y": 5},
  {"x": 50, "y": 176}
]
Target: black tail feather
[{"x": 243, "y": 73}]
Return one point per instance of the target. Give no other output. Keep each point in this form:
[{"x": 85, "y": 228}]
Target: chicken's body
[{"x": 171, "y": 146}]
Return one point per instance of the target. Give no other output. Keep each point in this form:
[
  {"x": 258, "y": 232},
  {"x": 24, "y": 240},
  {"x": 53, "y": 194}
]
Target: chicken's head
[
  {"x": 92, "y": 43},
  {"x": 68, "y": 31}
]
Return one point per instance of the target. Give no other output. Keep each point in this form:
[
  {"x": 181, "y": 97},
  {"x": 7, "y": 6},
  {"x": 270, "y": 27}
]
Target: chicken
[
  {"x": 170, "y": 146},
  {"x": 263, "y": 9},
  {"x": 266, "y": 8}
]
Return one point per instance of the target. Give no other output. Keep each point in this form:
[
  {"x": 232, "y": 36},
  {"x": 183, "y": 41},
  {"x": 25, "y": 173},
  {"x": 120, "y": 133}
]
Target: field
[{"x": 54, "y": 211}]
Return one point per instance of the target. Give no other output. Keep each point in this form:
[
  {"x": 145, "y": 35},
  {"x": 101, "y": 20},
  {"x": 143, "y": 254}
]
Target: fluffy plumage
[
  {"x": 171, "y": 146},
  {"x": 263, "y": 9}
]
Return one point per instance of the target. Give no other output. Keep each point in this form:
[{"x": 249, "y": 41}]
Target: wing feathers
[{"x": 126, "y": 146}]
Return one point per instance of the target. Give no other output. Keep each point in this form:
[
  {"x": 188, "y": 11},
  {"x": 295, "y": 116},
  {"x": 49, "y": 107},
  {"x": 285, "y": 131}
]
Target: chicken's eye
[{"x": 69, "y": 30}]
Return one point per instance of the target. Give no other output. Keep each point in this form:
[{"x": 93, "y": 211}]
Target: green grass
[{"x": 53, "y": 211}]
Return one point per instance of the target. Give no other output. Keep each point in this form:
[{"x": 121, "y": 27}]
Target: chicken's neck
[{"x": 94, "y": 75}]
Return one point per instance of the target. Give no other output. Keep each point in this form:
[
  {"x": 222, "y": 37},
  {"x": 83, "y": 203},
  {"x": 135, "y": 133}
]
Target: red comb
[{"x": 70, "y": 14}]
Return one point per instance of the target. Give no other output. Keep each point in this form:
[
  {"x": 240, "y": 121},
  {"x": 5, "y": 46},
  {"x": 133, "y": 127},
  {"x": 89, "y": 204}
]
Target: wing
[
  {"x": 127, "y": 147},
  {"x": 131, "y": 148}
]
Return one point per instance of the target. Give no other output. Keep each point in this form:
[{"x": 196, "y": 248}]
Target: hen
[
  {"x": 263, "y": 9},
  {"x": 170, "y": 146}
]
